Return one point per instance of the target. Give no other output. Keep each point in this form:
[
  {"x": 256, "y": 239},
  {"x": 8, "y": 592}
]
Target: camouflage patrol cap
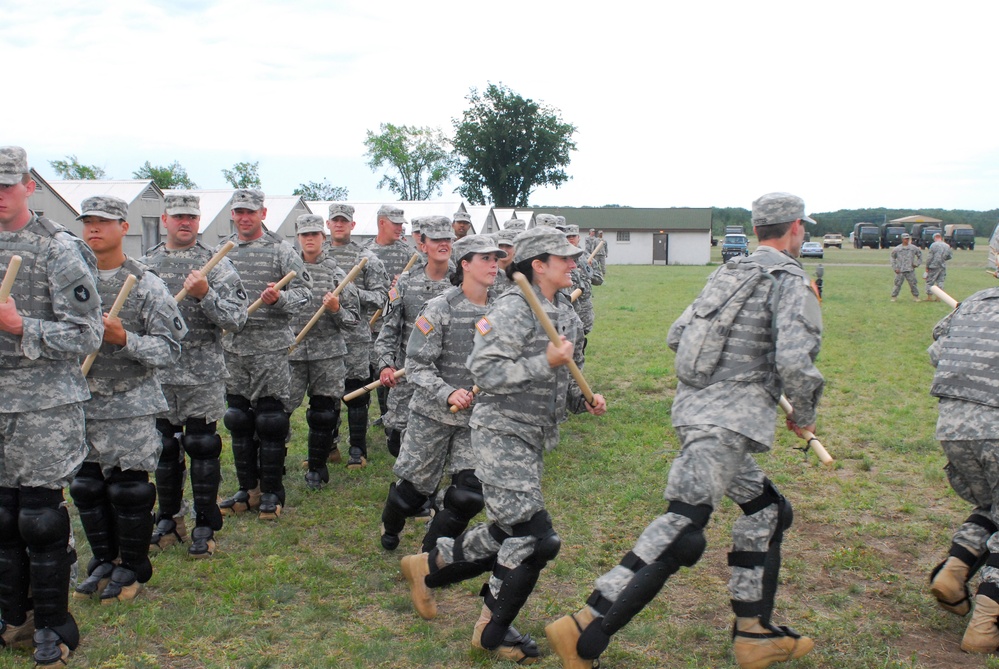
[
  {"x": 416, "y": 225},
  {"x": 248, "y": 198},
  {"x": 341, "y": 210},
  {"x": 560, "y": 223},
  {"x": 906, "y": 235},
  {"x": 393, "y": 214},
  {"x": 477, "y": 244},
  {"x": 534, "y": 242},
  {"x": 104, "y": 206},
  {"x": 544, "y": 220},
  {"x": 437, "y": 227},
  {"x": 775, "y": 208},
  {"x": 13, "y": 165},
  {"x": 507, "y": 236},
  {"x": 176, "y": 204},
  {"x": 515, "y": 224},
  {"x": 309, "y": 223},
  {"x": 571, "y": 230},
  {"x": 462, "y": 217}
]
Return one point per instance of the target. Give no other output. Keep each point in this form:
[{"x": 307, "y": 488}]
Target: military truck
[
  {"x": 922, "y": 234},
  {"x": 866, "y": 234},
  {"x": 734, "y": 245},
  {"x": 960, "y": 236},
  {"x": 891, "y": 234}
]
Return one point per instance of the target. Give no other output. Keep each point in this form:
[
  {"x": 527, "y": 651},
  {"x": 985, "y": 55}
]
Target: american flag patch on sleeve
[
  {"x": 393, "y": 294},
  {"x": 484, "y": 327},
  {"x": 423, "y": 325}
]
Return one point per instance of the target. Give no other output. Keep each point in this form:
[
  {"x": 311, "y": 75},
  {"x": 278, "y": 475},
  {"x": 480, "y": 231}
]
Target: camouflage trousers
[
  {"x": 125, "y": 443},
  {"x": 973, "y": 471},
  {"x": 205, "y": 400},
  {"x": 316, "y": 377},
  {"x": 935, "y": 277},
  {"x": 427, "y": 447},
  {"x": 397, "y": 416},
  {"x": 263, "y": 375},
  {"x": 909, "y": 276},
  {"x": 41, "y": 449},
  {"x": 714, "y": 462}
]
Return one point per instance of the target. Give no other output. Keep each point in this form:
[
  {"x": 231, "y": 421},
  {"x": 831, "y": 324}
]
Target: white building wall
[
  {"x": 689, "y": 248},
  {"x": 685, "y": 248}
]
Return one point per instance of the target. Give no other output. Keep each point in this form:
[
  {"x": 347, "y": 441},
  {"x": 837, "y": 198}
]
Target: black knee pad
[
  {"x": 88, "y": 488},
  {"x": 43, "y": 520},
  {"x": 8, "y": 516},
  {"x": 321, "y": 415},
  {"x": 239, "y": 417},
  {"x": 201, "y": 446},
  {"x": 464, "y": 496},
  {"x": 131, "y": 489},
  {"x": 406, "y": 498},
  {"x": 548, "y": 542},
  {"x": 272, "y": 425}
]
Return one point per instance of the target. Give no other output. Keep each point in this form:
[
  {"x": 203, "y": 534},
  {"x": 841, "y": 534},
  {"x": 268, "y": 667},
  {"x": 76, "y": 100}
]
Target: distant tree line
[{"x": 842, "y": 221}]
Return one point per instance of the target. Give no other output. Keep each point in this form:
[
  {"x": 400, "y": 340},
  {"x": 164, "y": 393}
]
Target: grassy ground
[{"x": 316, "y": 590}]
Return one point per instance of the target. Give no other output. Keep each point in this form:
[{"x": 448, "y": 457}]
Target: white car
[{"x": 811, "y": 250}]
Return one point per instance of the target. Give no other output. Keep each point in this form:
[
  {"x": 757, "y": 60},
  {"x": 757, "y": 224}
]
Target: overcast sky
[{"x": 848, "y": 104}]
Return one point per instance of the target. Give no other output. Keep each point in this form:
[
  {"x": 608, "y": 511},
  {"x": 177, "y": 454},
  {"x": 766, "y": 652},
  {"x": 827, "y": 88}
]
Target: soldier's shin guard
[
  {"x": 357, "y": 424},
  {"x": 204, "y": 446},
  {"x": 169, "y": 470},
  {"x": 322, "y": 420},
  {"x": 394, "y": 442},
  {"x": 240, "y": 419},
  {"x": 89, "y": 493},
  {"x": 44, "y": 525},
  {"x": 14, "y": 574},
  {"x": 462, "y": 501},
  {"x": 461, "y": 569},
  {"x": 403, "y": 501},
  {"x": 132, "y": 496},
  {"x": 272, "y": 427}
]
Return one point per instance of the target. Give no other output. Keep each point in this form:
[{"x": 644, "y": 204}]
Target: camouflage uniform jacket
[
  {"x": 437, "y": 352},
  {"x": 938, "y": 255},
  {"x": 906, "y": 258},
  {"x": 502, "y": 283},
  {"x": 123, "y": 380},
  {"x": 56, "y": 296},
  {"x": 749, "y": 407},
  {"x": 266, "y": 260},
  {"x": 584, "y": 303},
  {"x": 394, "y": 256},
  {"x": 521, "y": 394},
  {"x": 325, "y": 340},
  {"x": 406, "y": 300},
  {"x": 222, "y": 308},
  {"x": 372, "y": 284}
]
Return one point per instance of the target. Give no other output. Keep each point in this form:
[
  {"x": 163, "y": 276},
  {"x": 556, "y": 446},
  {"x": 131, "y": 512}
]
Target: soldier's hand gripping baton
[
  {"x": 399, "y": 373},
  {"x": 475, "y": 391},
  {"x": 119, "y": 302},
  {"x": 259, "y": 302},
  {"x": 351, "y": 275},
  {"x": 944, "y": 297},
  {"x": 13, "y": 267},
  {"x": 209, "y": 266},
  {"x": 409, "y": 266},
  {"x": 810, "y": 438},
  {"x": 553, "y": 335},
  {"x": 589, "y": 261}
]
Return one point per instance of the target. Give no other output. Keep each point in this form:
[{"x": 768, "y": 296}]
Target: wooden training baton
[
  {"x": 351, "y": 275},
  {"x": 475, "y": 391},
  {"x": 589, "y": 261},
  {"x": 409, "y": 265},
  {"x": 119, "y": 302},
  {"x": 553, "y": 335},
  {"x": 259, "y": 302},
  {"x": 209, "y": 266},
  {"x": 399, "y": 373},
  {"x": 575, "y": 294},
  {"x": 944, "y": 297},
  {"x": 13, "y": 267},
  {"x": 810, "y": 438}
]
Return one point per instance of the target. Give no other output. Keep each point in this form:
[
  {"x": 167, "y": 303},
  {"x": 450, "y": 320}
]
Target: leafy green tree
[
  {"x": 170, "y": 176},
  {"x": 314, "y": 190},
  {"x": 72, "y": 169},
  {"x": 420, "y": 159},
  {"x": 243, "y": 175},
  {"x": 508, "y": 146}
]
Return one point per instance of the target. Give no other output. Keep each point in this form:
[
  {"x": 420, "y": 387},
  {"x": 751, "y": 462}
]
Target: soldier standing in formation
[
  {"x": 936, "y": 264},
  {"x": 504, "y": 239},
  {"x": 721, "y": 424},
  {"x": 437, "y": 436},
  {"x": 194, "y": 388},
  {"x": 51, "y": 319},
  {"x": 371, "y": 284},
  {"x": 258, "y": 391},
  {"x": 905, "y": 258},
  {"x": 526, "y": 392},
  {"x": 317, "y": 362},
  {"x": 112, "y": 490},
  {"x": 583, "y": 279},
  {"x": 461, "y": 223}
]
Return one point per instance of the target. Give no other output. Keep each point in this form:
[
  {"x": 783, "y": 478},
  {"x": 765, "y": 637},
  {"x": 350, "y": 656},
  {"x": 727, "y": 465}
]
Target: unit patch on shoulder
[
  {"x": 81, "y": 293},
  {"x": 484, "y": 327},
  {"x": 423, "y": 325}
]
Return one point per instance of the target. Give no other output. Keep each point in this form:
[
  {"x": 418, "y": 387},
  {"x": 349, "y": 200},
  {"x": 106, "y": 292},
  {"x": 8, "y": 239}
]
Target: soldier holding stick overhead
[{"x": 50, "y": 320}]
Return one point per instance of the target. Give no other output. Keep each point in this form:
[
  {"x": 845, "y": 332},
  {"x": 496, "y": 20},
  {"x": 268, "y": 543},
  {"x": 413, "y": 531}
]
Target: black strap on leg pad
[
  {"x": 459, "y": 570},
  {"x": 770, "y": 560},
  {"x": 990, "y": 590}
]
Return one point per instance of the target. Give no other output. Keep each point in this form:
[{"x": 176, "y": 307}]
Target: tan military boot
[
  {"x": 17, "y": 636},
  {"x": 516, "y": 647},
  {"x": 563, "y": 635},
  {"x": 982, "y": 635},
  {"x": 757, "y": 647},
  {"x": 168, "y": 532},
  {"x": 949, "y": 584},
  {"x": 415, "y": 569}
]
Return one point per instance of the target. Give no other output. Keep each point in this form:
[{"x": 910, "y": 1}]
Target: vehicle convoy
[
  {"x": 832, "y": 239},
  {"x": 866, "y": 234},
  {"x": 734, "y": 245},
  {"x": 960, "y": 236},
  {"x": 922, "y": 234},
  {"x": 891, "y": 234}
]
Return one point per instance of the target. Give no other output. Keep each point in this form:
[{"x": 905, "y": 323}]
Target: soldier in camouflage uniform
[
  {"x": 435, "y": 367},
  {"x": 414, "y": 237},
  {"x": 601, "y": 258},
  {"x": 504, "y": 238},
  {"x": 905, "y": 258},
  {"x": 526, "y": 391},
  {"x": 317, "y": 363},
  {"x": 967, "y": 383},
  {"x": 52, "y": 318},
  {"x": 389, "y": 247},
  {"x": 112, "y": 490},
  {"x": 584, "y": 277},
  {"x": 721, "y": 424},
  {"x": 372, "y": 284},
  {"x": 461, "y": 223},
  {"x": 258, "y": 391},
  {"x": 936, "y": 264},
  {"x": 545, "y": 221},
  {"x": 413, "y": 290},
  {"x": 195, "y": 387}
]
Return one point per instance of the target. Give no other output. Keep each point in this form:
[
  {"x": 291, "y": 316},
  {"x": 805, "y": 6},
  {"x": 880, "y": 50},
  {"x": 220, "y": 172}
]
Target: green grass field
[{"x": 316, "y": 590}]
